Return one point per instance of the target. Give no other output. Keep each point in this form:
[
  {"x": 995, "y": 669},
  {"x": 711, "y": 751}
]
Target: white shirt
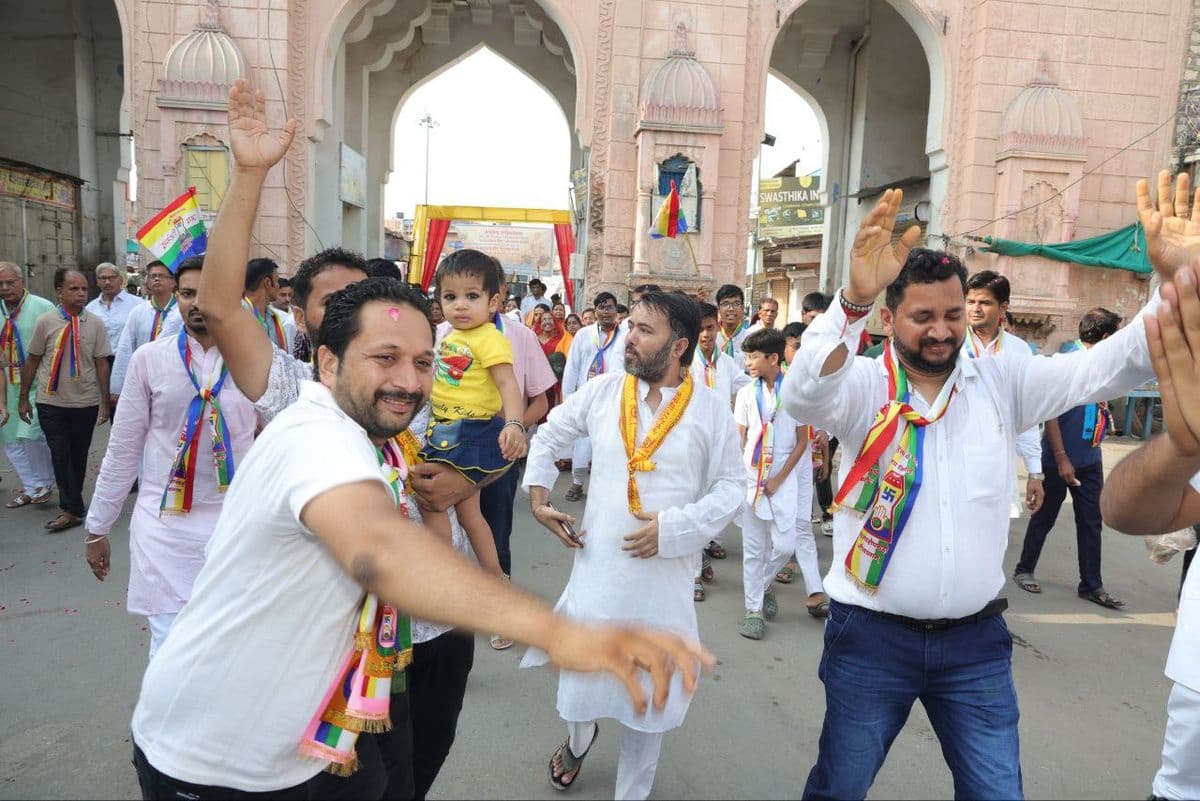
[
  {"x": 529, "y": 303},
  {"x": 780, "y": 507},
  {"x": 696, "y": 488},
  {"x": 1183, "y": 661},
  {"x": 114, "y": 315},
  {"x": 727, "y": 377},
  {"x": 733, "y": 345},
  {"x": 284, "y": 380},
  {"x": 949, "y": 561},
  {"x": 165, "y": 551},
  {"x": 582, "y": 353},
  {"x": 136, "y": 333},
  {"x": 1029, "y": 441},
  {"x": 226, "y": 699}
]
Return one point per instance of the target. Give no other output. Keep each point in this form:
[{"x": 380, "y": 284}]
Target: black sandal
[
  {"x": 569, "y": 762},
  {"x": 1103, "y": 598}
]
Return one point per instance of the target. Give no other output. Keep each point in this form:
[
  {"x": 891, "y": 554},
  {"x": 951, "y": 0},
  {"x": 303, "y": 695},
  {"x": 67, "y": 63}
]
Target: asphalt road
[{"x": 1090, "y": 682}]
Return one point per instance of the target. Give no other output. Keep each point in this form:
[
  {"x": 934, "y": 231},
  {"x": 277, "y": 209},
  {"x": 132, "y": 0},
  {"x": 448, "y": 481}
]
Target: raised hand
[
  {"x": 1174, "y": 339},
  {"x": 1172, "y": 235},
  {"x": 874, "y": 260},
  {"x": 253, "y": 145}
]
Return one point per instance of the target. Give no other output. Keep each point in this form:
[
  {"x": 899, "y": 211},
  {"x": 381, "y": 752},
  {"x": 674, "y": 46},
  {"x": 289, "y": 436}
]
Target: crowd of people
[{"x": 326, "y": 468}]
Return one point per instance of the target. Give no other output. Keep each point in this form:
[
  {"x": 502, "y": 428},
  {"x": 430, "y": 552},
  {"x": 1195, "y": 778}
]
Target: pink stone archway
[{"x": 329, "y": 20}]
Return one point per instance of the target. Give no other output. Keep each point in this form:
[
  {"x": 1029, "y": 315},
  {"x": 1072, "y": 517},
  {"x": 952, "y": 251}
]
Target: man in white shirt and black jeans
[
  {"x": 239, "y": 685},
  {"x": 914, "y": 584}
]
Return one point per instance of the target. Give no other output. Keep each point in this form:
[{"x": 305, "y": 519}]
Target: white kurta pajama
[
  {"x": 166, "y": 552},
  {"x": 581, "y": 361},
  {"x": 696, "y": 488}
]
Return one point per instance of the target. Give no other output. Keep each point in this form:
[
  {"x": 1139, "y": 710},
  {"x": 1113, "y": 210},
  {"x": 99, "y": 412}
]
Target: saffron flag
[
  {"x": 670, "y": 220},
  {"x": 177, "y": 232}
]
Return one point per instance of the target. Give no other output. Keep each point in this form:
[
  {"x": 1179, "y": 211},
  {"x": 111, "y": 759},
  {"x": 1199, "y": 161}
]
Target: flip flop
[
  {"x": 569, "y": 762},
  {"x": 19, "y": 499},
  {"x": 64, "y": 521},
  {"x": 786, "y": 575},
  {"x": 1102, "y": 598},
  {"x": 1027, "y": 582}
]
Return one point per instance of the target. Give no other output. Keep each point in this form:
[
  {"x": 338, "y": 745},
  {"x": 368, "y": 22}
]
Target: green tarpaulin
[{"x": 1124, "y": 249}]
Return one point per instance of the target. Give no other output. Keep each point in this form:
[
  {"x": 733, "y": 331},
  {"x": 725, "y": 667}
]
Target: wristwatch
[{"x": 1038, "y": 476}]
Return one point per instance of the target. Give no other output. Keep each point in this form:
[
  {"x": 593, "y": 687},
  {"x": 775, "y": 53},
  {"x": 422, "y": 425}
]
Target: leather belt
[{"x": 993, "y": 608}]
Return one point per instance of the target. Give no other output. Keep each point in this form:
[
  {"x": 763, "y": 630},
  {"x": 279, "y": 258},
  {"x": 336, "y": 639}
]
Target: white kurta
[
  {"x": 780, "y": 507},
  {"x": 696, "y": 488},
  {"x": 728, "y": 377},
  {"x": 135, "y": 334},
  {"x": 167, "y": 552},
  {"x": 582, "y": 353}
]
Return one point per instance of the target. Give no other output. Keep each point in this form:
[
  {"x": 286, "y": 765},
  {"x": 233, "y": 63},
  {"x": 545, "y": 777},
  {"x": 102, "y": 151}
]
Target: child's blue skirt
[{"x": 472, "y": 447}]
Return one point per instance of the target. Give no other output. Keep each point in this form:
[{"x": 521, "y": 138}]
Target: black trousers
[
  {"x": 69, "y": 435},
  {"x": 496, "y": 502},
  {"x": 437, "y": 682},
  {"x": 367, "y": 782},
  {"x": 825, "y": 486},
  {"x": 1086, "y": 499}
]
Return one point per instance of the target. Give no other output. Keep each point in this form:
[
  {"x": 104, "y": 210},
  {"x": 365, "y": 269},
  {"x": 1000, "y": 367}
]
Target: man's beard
[
  {"x": 196, "y": 325},
  {"x": 916, "y": 361},
  {"x": 650, "y": 368},
  {"x": 369, "y": 417}
]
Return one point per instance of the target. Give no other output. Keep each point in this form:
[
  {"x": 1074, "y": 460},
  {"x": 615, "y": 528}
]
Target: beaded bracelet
[{"x": 853, "y": 310}]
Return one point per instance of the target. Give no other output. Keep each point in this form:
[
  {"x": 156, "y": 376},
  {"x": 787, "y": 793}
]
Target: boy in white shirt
[
  {"x": 770, "y": 440},
  {"x": 713, "y": 368}
]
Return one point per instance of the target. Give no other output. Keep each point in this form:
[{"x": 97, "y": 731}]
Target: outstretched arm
[
  {"x": 242, "y": 342},
  {"x": 408, "y": 567}
]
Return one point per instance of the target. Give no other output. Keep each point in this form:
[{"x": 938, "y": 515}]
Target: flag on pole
[
  {"x": 177, "y": 232},
  {"x": 670, "y": 220}
]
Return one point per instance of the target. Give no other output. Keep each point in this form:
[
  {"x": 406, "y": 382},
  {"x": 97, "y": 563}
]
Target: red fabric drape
[
  {"x": 435, "y": 238},
  {"x": 564, "y": 238}
]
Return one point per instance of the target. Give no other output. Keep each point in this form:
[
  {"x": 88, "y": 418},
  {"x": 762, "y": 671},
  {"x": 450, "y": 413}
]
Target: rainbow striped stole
[
  {"x": 160, "y": 316},
  {"x": 597, "y": 367},
  {"x": 270, "y": 323},
  {"x": 68, "y": 336},
  {"x": 1097, "y": 419},
  {"x": 889, "y": 500},
  {"x": 10, "y": 339},
  {"x": 764, "y": 446},
  {"x": 359, "y": 700},
  {"x": 177, "y": 496},
  {"x": 976, "y": 348}
]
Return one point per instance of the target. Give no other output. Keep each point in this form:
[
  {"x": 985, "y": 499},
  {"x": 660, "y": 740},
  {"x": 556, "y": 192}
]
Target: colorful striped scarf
[
  {"x": 359, "y": 700},
  {"x": 976, "y": 348},
  {"x": 710, "y": 368},
  {"x": 11, "y": 345},
  {"x": 178, "y": 494},
  {"x": 597, "y": 366},
  {"x": 764, "y": 446},
  {"x": 160, "y": 316},
  {"x": 1097, "y": 419},
  {"x": 68, "y": 336},
  {"x": 269, "y": 320},
  {"x": 890, "y": 501}
]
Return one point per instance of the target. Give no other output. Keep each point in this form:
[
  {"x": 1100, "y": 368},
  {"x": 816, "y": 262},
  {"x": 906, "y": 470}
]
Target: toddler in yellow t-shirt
[{"x": 473, "y": 383}]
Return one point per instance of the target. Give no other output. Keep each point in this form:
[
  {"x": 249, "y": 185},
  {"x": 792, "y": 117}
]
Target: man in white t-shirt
[
  {"x": 1156, "y": 489},
  {"x": 254, "y": 659}
]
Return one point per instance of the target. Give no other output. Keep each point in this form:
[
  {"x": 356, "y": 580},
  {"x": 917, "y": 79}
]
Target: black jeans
[
  {"x": 69, "y": 435},
  {"x": 437, "y": 682},
  {"x": 825, "y": 486},
  {"x": 367, "y": 782},
  {"x": 1086, "y": 499},
  {"x": 496, "y": 503}
]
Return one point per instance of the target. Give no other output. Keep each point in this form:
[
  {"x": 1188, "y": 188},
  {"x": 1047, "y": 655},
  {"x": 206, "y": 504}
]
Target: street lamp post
[{"x": 428, "y": 123}]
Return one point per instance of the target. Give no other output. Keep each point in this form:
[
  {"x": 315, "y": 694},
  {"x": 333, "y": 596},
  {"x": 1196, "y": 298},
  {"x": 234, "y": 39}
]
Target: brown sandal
[{"x": 64, "y": 521}]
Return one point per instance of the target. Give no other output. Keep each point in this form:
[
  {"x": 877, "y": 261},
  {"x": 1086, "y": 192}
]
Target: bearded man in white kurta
[{"x": 666, "y": 473}]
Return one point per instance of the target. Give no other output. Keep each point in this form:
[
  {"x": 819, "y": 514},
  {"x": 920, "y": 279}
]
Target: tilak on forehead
[{"x": 394, "y": 313}]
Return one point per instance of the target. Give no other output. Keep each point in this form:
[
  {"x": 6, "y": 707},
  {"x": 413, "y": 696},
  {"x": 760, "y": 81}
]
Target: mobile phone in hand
[{"x": 567, "y": 528}]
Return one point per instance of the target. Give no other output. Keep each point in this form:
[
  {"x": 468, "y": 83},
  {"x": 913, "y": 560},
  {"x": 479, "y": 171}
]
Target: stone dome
[
  {"x": 1043, "y": 118},
  {"x": 200, "y": 68},
  {"x": 679, "y": 94}
]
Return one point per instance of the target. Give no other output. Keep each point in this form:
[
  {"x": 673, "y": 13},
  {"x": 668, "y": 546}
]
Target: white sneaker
[{"x": 827, "y": 528}]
